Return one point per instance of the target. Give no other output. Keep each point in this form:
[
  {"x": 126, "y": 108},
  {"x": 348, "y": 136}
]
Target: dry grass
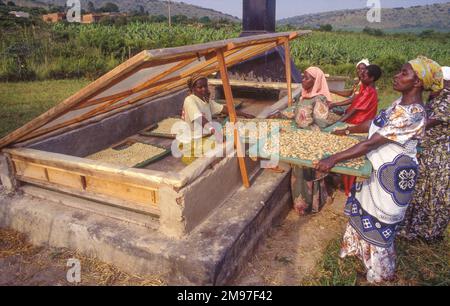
[{"x": 30, "y": 261}]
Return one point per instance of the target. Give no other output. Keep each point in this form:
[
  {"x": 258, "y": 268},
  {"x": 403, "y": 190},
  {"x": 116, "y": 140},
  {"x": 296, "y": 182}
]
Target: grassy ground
[
  {"x": 418, "y": 264},
  {"x": 22, "y": 102}
]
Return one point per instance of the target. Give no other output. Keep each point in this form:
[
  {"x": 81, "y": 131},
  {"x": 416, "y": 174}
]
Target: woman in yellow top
[{"x": 199, "y": 109}]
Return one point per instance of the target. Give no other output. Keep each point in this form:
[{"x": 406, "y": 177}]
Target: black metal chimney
[{"x": 259, "y": 17}]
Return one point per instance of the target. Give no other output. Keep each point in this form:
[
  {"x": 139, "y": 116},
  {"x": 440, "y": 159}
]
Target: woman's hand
[
  {"x": 339, "y": 133},
  {"x": 325, "y": 165}
]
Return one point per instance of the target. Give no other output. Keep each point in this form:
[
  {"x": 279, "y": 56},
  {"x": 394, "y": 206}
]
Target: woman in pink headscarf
[
  {"x": 312, "y": 111},
  {"x": 309, "y": 192}
]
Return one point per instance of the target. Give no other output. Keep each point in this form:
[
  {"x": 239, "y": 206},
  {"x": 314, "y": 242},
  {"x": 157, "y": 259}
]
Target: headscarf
[
  {"x": 320, "y": 85},
  {"x": 364, "y": 61},
  {"x": 446, "y": 73},
  {"x": 194, "y": 78},
  {"x": 429, "y": 72}
]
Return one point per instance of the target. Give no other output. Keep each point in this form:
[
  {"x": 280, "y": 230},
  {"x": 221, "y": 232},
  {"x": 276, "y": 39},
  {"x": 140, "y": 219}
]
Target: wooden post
[
  {"x": 287, "y": 59},
  {"x": 233, "y": 116}
]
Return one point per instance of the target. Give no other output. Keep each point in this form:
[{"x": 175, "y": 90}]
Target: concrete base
[{"x": 211, "y": 255}]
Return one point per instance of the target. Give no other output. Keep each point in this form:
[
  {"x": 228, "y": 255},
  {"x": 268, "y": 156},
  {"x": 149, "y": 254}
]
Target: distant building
[
  {"x": 20, "y": 14},
  {"x": 86, "y": 18},
  {"x": 55, "y": 17},
  {"x": 96, "y": 17}
]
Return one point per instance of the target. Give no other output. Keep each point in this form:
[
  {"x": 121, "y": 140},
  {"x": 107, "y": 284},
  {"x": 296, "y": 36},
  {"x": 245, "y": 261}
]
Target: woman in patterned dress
[
  {"x": 428, "y": 215},
  {"x": 308, "y": 187},
  {"x": 377, "y": 207}
]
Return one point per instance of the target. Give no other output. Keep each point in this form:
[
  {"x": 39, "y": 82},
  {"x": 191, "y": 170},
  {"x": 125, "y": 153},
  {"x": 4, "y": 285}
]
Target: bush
[
  {"x": 390, "y": 64},
  {"x": 11, "y": 71},
  {"x": 326, "y": 28},
  {"x": 373, "y": 32}
]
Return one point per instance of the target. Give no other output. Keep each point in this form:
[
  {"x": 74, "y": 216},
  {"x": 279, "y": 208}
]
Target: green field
[
  {"x": 73, "y": 51},
  {"x": 24, "y": 101}
]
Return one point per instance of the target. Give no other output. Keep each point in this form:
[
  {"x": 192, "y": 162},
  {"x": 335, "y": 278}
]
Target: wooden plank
[
  {"x": 233, "y": 116},
  {"x": 287, "y": 59},
  {"x": 172, "y": 54},
  {"x": 94, "y": 88},
  {"x": 161, "y": 76},
  {"x": 93, "y": 205},
  {"x": 65, "y": 178},
  {"x": 261, "y": 85},
  {"x": 148, "y": 178},
  {"x": 150, "y": 209},
  {"x": 136, "y": 195},
  {"x": 142, "y": 195},
  {"x": 104, "y": 99},
  {"x": 30, "y": 170}
]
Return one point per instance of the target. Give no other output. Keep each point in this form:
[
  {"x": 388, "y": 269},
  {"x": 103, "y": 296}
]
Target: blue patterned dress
[{"x": 377, "y": 207}]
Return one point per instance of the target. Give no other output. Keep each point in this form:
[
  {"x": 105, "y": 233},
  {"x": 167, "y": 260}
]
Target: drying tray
[
  {"x": 146, "y": 162},
  {"x": 362, "y": 172}
]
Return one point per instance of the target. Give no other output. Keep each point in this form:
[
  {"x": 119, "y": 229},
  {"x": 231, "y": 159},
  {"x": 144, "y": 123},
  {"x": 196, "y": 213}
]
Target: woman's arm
[
  {"x": 358, "y": 129},
  {"x": 343, "y": 93},
  {"x": 359, "y": 150},
  {"x": 431, "y": 123},
  {"x": 332, "y": 105},
  {"x": 348, "y": 115}
]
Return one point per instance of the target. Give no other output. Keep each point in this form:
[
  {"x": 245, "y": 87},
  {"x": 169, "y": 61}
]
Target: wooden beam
[
  {"x": 85, "y": 167},
  {"x": 162, "y": 75},
  {"x": 262, "y": 85},
  {"x": 95, "y": 196},
  {"x": 233, "y": 117},
  {"x": 287, "y": 59},
  {"x": 98, "y": 101}
]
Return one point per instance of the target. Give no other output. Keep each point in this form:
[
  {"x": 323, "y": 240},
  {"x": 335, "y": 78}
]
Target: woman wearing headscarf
[
  {"x": 312, "y": 111},
  {"x": 377, "y": 207},
  {"x": 347, "y": 95},
  {"x": 199, "y": 108},
  {"x": 428, "y": 215},
  {"x": 309, "y": 192}
]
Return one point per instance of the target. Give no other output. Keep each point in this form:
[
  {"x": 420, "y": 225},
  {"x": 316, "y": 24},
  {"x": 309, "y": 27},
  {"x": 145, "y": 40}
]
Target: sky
[{"x": 290, "y": 8}]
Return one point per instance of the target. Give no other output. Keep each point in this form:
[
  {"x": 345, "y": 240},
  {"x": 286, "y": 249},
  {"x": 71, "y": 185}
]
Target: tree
[
  {"x": 141, "y": 10},
  {"x": 1, "y": 3},
  {"x": 205, "y": 20},
  {"x": 374, "y": 32},
  {"x": 180, "y": 19},
  {"x": 326, "y": 28},
  {"x": 91, "y": 7},
  {"x": 158, "y": 19},
  {"x": 110, "y": 8},
  {"x": 10, "y": 3}
]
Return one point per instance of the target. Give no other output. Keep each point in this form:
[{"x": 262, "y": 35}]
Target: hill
[
  {"x": 414, "y": 19},
  {"x": 153, "y": 7}
]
